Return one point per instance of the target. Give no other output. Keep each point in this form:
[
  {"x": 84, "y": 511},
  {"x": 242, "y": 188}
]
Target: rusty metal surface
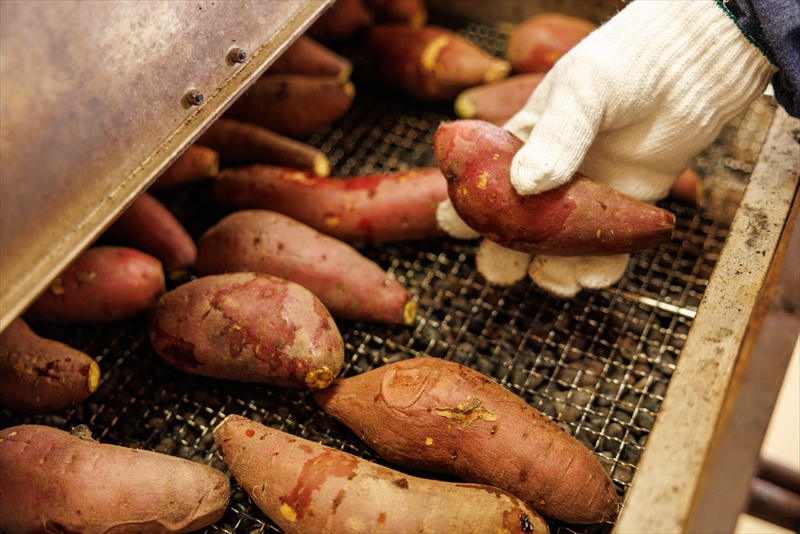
[{"x": 93, "y": 107}]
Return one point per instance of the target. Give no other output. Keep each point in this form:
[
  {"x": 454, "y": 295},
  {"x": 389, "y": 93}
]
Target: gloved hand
[{"x": 630, "y": 106}]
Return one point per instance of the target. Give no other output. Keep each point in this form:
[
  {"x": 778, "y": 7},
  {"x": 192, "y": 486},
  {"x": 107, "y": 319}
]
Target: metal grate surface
[{"x": 598, "y": 364}]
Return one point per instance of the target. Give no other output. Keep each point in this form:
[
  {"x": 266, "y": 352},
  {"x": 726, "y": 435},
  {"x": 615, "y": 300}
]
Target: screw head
[
  {"x": 194, "y": 97},
  {"x": 237, "y": 55}
]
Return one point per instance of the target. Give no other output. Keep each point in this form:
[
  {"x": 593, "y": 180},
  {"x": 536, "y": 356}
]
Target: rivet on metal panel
[
  {"x": 237, "y": 55},
  {"x": 194, "y": 97}
]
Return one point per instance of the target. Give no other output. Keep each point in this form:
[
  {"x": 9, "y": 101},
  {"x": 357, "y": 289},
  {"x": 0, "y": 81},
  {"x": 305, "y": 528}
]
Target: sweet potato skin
[
  {"x": 56, "y": 482},
  {"x": 430, "y": 63},
  {"x": 498, "y": 101},
  {"x": 350, "y": 285},
  {"x": 307, "y": 56},
  {"x": 39, "y": 375},
  {"x": 104, "y": 284},
  {"x": 434, "y": 415},
  {"x": 399, "y": 206},
  {"x": 580, "y": 218},
  {"x": 249, "y": 327},
  {"x": 539, "y": 41},
  {"x": 196, "y": 163},
  {"x": 342, "y": 20},
  {"x": 411, "y": 12},
  {"x": 307, "y": 487}
]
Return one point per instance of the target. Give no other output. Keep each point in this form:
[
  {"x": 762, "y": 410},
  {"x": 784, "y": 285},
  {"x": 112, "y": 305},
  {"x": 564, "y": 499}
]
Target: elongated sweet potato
[
  {"x": 307, "y": 56},
  {"x": 295, "y": 105},
  {"x": 431, "y": 63},
  {"x": 195, "y": 164},
  {"x": 687, "y": 189},
  {"x": 580, "y": 218},
  {"x": 499, "y": 101},
  {"x": 342, "y": 20},
  {"x": 104, "y": 284},
  {"x": 435, "y": 415},
  {"x": 54, "y": 481},
  {"x": 348, "y": 284},
  {"x": 412, "y": 12},
  {"x": 539, "y": 41},
  {"x": 40, "y": 375},
  {"x": 307, "y": 487},
  {"x": 249, "y": 327},
  {"x": 397, "y": 206},
  {"x": 241, "y": 142},
  {"x": 149, "y": 226}
]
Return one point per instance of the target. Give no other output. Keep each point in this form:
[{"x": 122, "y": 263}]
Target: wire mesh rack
[{"x": 598, "y": 364}]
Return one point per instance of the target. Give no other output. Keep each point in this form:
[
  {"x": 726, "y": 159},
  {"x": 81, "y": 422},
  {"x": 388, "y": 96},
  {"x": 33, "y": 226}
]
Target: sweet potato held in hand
[
  {"x": 379, "y": 208},
  {"x": 307, "y": 487},
  {"x": 249, "y": 327},
  {"x": 434, "y": 415},
  {"x": 348, "y": 284},
  {"x": 56, "y": 482},
  {"x": 579, "y": 218}
]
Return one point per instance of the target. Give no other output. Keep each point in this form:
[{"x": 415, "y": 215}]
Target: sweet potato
[
  {"x": 348, "y": 284},
  {"x": 434, "y": 415},
  {"x": 580, "y": 218},
  {"x": 249, "y": 327},
  {"x": 397, "y": 206},
  {"x": 430, "y": 63},
  {"x": 687, "y": 189},
  {"x": 194, "y": 164},
  {"x": 412, "y": 12},
  {"x": 499, "y": 101},
  {"x": 307, "y": 56},
  {"x": 104, "y": 284},
  {"x": 295, "y": 105},
  {"x": 241, "y": 142},
  {"x": 307, "y": 487},
  {"x": 149, "y": 226},
  {"x": 539, "y": 41},
  {"x": 54, "y": 481},
  {"x": 40, "y": 375},
  {"x": 343, "y": 19}
]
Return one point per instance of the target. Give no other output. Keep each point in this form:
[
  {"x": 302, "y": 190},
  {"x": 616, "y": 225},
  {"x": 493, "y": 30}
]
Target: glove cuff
[{"x": 752, "y": 41}]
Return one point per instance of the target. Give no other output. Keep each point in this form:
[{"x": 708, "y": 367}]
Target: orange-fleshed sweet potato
[
  {"x": 295, "y": 105},
  {"x": 431, "y": 63},
  {"x": 307, "y": 487},
  {"x": 398, "y": 206},
  {"x": 148, "y": 225},
  {"x": 412, "y": 12},
  {"x": 249, "y": 327},
  {"x": 348, "y": 284},
  {"x": 241, "y": 142},
  {"x": 580, "y": 218},
  {"x": 195, "y": 164},
  {"x": 435, "y": 415},
  {"x": 104, "y": 284},
  {"x": 499, "y": 101},
  {"x": 342, "y": 20},
  {"x": 40, "y": 375},
  {"x": 307, "y": 56},
  {"x": 54, "y": 481},
  {"x": 539, "y": 41}
]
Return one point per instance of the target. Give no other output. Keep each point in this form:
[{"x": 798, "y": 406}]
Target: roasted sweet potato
[
  {"x": 194, "y": 164},
  {"x": 241, "y": 142},
  {"x": 104, "y": 284},
  {"x": 249, "y": 327},
  {"x": 149, "y": 226},
  {"x": 539, "y": 41},
  {"x": 307, "y": 56},
  {"x": 348, "y": 284},
  {"x": 687, "y": 189},
  {"x": 307, "y": 487},
  {"x": 430, "y": 63},
  {"x": 295, "y": 105},
  {"x": 435, "y": 415},
  {"x": 499, "y": 101},
  {"x": 581, "y": 218},
  {"x": 412, "y": 12},
  {"x": 54, "y": 481},
  {"x": 397, "y": 206},
  {"x": 342, "y": 20},
  {"x": 40, "y": 375}
]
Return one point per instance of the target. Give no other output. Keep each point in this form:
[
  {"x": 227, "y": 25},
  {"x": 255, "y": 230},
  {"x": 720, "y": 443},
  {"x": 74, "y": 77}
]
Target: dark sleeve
[{"x": 775, "y": 26}]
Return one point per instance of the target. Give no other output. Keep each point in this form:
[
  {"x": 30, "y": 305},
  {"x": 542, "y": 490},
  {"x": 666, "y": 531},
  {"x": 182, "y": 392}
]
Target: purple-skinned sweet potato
[
  {"x": 350, "y": 285},
  {"x": 435, "y": 415},
  {"x": 580, "y": 218},
  {"x": 249, "y": 327},
  {"x": 307, "y": 56},
  {"x": 498, "y": 101},
  {"x": 54, "y": 481},
  {"x": 398, "y": 206},
  {"x": 304, "y": 486},
  {"x": 39, "y": 375}
]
